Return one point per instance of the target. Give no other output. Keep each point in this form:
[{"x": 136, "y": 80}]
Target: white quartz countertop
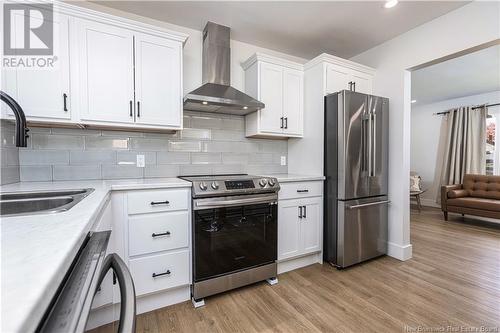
[
  {"x": 37, "y": 250},
  {"x": 290, "y": 177}
]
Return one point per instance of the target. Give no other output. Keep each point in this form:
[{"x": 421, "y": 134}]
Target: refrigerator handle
[
  {"x": 370, "y": 144},
  {"x": 374, "y": 122}
]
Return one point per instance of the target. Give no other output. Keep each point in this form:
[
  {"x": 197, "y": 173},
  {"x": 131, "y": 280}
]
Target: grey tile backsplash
[
  {"x": 9, "y": 156},
  {"x": 209, "y": 144}
]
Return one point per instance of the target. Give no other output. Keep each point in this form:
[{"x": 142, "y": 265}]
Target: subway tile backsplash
[
  {"x": 9, "y": 154},
  {"x": 209, "y": 144}
]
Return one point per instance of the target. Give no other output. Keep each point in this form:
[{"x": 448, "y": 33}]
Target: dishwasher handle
[{"x": 127, "y": 291}]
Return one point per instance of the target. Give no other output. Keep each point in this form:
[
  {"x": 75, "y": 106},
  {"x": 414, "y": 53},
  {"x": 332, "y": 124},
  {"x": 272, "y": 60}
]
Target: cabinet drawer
[
  {"x": 175, "y": 265},
  {"x": 157, "y": 201},
  {"x": 300, "y": 190},
  {"x": 157, "y": 232}
]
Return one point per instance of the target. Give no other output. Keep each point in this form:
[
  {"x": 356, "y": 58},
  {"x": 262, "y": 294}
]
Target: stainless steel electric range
[{"x": 235, "y": 222}]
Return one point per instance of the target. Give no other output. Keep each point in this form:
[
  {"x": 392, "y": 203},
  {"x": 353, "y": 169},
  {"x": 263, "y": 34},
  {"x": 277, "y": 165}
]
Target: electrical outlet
[
  {"x": 283, "y": 160},
  {"x": 141, "y": 161}
]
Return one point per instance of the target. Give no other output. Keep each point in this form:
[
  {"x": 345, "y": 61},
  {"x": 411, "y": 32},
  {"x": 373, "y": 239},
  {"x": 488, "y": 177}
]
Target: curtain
[{"x": 464, "y": 150}]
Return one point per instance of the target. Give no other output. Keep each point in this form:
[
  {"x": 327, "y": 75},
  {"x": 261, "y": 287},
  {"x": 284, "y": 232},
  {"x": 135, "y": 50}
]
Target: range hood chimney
[{"x": 216, "y": 94}]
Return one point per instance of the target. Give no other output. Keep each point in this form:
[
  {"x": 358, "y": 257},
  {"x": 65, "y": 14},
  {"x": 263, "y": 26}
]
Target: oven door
[{"x": 233, "y": 233}]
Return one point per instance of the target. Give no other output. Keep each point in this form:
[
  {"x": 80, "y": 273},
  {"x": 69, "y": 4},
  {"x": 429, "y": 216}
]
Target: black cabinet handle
[
  {"x": 300, "y": 212},
  {"x": 131, "y": 114},
  {"x": 166, "y": 202},
  {"x": 281, "y": 122},
  {"x": 304, "y": 212},
  {"x": 302, "y": 191},
  {"x": 286, "y": 122},
  {"x": 161, "y": 274},
  {"x": 138, "y": 109},
  {"x": 166, "y": 233},
  {"x": 65, "y": 102}
]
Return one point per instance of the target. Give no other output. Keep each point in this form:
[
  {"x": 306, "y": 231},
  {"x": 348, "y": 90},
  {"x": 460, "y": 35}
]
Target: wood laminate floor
[{"x": 452, "y": 282}]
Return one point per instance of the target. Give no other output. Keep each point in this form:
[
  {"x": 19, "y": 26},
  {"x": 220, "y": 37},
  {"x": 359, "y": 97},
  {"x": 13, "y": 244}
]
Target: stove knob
[
  {"x": 271, "y": 182},
  {"x": 263, "y": 182},
  {"x": 203, "y": 186},
  {"x": 215, "y": 185}
]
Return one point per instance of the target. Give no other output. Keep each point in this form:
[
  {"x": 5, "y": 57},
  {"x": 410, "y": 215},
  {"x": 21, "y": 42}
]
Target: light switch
[
  {"x": 283, "y": 160},
  {"x": 141, "y": 161}
]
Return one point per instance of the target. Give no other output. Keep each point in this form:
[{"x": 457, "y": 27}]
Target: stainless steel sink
[{"x": 28, "y": 203}]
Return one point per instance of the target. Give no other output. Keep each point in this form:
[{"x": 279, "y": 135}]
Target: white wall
[
  {"x": 193, "y": 49},
  {"x": 471, "y": 25},
  {"x": 425, "y": 136}
]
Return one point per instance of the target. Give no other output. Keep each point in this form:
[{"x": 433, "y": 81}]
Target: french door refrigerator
[{"x": 355, "y": 166}]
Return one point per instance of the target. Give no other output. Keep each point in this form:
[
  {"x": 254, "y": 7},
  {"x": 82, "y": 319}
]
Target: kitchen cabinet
[
  {"x": 279, "y": 84},
  {"x": 158, "y": 81},
  {"x": 42, "y": 93},
  {"x": 106, "y": 72},
  {"x": 129, "y": 77},
  {"x": 344, "y": 78},
  {"x": 300, "y": 220},
  {"x": 115, "y": 73}
]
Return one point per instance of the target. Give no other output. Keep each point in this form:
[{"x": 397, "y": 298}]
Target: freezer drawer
[{"x": 362, "y": 230}]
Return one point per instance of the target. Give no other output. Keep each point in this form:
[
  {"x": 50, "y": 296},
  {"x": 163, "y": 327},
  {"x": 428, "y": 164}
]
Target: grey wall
[
  {"x": 9, "y": 157},
  {"x": 209, "y": 144}
]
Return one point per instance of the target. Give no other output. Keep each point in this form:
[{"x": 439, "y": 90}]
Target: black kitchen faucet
[{"x": 21, "y": 128}]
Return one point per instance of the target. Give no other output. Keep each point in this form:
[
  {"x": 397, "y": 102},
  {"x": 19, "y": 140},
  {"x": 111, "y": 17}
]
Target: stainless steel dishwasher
[{"x": 70, "y": 308}]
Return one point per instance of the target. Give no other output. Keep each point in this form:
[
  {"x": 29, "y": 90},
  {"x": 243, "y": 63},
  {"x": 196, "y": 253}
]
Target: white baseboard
[
  {"x": 401, "y": 252},
  {"x": 290, "y": 265}
]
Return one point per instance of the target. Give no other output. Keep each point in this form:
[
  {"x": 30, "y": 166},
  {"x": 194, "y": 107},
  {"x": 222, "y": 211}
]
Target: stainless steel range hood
[{"x": 216, "y": 94}]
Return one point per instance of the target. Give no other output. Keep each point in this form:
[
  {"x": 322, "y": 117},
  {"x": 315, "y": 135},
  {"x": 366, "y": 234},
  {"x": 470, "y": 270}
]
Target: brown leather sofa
[{"x": 479, "y": 195}]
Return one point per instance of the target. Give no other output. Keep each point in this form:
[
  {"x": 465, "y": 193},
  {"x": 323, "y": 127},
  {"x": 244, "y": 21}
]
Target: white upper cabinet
[
  {"x": 110, "y": 72},
  {"x": 337, "y": 78},
  {"x": 42, "y": 93},
  {"x": 106, "y": 72},
  {"x": 279, "y": 84},
  {"x": 158, "y": 89},
  {"x": 345, "y": 75},
  {"x": 271, "y": 94},
  {"x": 293, "y": 101}
]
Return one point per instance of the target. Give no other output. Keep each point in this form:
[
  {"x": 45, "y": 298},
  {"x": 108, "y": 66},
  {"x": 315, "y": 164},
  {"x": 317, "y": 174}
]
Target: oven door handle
[
  {"x": 225, "y": 203},
  {"x": 127, "y": 291}
]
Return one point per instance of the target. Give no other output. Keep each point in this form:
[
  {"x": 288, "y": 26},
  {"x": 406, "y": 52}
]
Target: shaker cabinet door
[
  {"x": 293, "y": 103},
  {"x": 271, "y": 94},
  {"x": 158, "y": 81},
  {"x": 43, "y": 92},
  {"x": 106, "y": 73},
  {"x": 337, "y": 79},
  {"x": 289, "y": 239},
  {"x": 311, "y": 224},
  {"x": 363, "y": 82}
]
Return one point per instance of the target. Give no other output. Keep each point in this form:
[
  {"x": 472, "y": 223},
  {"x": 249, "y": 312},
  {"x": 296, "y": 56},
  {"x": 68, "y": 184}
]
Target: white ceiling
[
  {"x": 303, "y": 29},
  {"x": 472, "y": 74}
]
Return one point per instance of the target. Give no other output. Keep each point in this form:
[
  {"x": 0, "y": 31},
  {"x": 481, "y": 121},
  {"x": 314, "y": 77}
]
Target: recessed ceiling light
[
  {"x": 204, "y": 103},
  {"x": 413, "y": 101},
  {"x": 390, "y": 3},
  {"x": 245, "y": 107}
]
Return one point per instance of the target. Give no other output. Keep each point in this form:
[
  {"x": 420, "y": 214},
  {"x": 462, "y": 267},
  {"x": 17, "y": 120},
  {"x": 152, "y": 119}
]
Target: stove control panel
[
  {"x": 205, "y": 186},
  {"x": 239, "y": 184}
]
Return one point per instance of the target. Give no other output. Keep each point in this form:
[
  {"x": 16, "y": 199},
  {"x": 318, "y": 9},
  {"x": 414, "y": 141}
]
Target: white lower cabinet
[
  {"x": 300, "y": 223},
  {"x": 159, "y": 272},
  {"x": 157, "y": 232}
]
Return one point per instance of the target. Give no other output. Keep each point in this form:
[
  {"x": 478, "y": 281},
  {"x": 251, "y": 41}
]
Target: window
[{"x": 490, "y": 145}]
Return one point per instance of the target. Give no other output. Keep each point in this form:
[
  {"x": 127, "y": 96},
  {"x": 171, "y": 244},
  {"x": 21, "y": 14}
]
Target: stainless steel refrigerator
[{"x": 356, "y": 162}]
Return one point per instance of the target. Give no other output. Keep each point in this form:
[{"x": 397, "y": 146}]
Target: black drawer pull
[
  {"x": 302, "y": 191},
  {"x": 166, "y": 233},
  {"x": 161, "y": 274},
  {"x": 166, "y": 202}
]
